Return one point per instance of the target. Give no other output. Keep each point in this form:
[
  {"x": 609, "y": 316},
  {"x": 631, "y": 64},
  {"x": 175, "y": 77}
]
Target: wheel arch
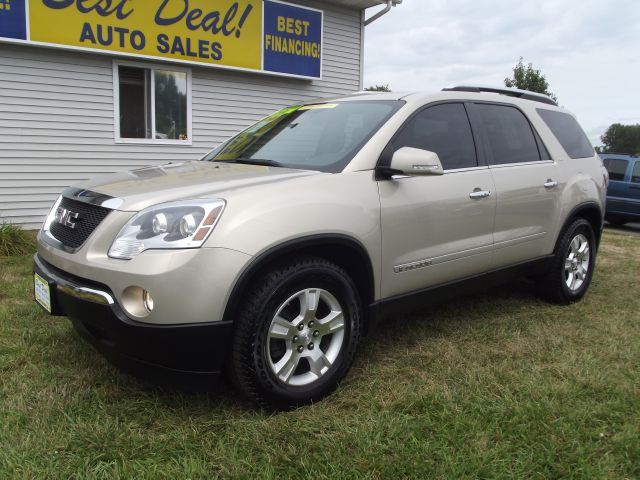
[
  {"x": 591, "y": 212},
  {"x": 346, "y": 252}
]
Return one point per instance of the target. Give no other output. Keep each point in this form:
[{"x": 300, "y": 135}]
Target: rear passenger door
[
  {"x": 436, "y": 228},
  {"x": 526, "y": 182}
]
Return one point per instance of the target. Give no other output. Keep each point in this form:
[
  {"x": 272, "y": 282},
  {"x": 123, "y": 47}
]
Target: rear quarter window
[{"x": 568, "y": 132}]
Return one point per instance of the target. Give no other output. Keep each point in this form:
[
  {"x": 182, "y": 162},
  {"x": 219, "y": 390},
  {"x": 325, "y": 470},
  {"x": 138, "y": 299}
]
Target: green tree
[
  {"x": 378, "y": 88},
  {"x": 622, "y": 138},
  {"x": 528, "y": 78}
]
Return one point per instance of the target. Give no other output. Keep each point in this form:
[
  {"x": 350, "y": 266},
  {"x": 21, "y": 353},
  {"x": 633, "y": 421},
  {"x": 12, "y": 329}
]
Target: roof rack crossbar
[{"x": 512, "y": 92}]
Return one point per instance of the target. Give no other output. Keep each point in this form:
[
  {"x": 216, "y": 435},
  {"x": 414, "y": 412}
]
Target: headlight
[
  {"x": 52, "y": 215},
  {"x": 185, "y": 224}
]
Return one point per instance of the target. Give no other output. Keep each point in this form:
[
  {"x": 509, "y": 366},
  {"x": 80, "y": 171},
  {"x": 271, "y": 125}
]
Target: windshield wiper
[
  {"x": 254, "y": 161},
  {"x": 258, "y": 161}
]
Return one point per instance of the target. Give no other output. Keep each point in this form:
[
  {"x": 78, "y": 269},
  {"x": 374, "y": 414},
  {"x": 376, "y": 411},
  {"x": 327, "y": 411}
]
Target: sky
[{"x": 588, "y": 50}]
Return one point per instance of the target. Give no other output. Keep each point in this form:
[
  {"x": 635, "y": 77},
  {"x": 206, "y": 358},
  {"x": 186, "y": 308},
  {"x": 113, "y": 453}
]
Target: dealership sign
[{"x": 258, "y": 35}]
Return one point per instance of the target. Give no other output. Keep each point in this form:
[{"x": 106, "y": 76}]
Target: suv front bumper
[{"x": 184, "y": 355}]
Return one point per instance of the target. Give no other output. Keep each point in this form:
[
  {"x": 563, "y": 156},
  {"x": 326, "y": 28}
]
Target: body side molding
[{"x": 437, "y": 294}]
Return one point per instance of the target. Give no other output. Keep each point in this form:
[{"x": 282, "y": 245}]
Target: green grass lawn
[{"x": 499, "y": 385}]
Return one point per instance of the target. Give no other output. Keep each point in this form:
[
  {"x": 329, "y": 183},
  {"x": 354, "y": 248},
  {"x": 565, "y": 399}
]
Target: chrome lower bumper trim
[
  {"x": 84, "y": 293},
  {"x": 75, "y": 290}
]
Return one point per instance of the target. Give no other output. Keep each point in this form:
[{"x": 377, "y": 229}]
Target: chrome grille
[{"x": 89, "y": 217}]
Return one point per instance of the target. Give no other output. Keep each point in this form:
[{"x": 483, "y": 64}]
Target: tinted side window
[
  {"x": 508, "y": 135},
  {"x": 443, "y": 129},
  {"x": 544, "y": 153},
  {"x": 568, "y": 132},
  {"x": 616, "y": 168},
  {"x": 635, "y": 175}
]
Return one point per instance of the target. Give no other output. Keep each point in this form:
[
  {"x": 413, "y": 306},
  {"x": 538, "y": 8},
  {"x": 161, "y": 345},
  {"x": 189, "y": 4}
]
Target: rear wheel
[
  {"x": 572, "y": 267},
  {"x": 296, "y": 334}
]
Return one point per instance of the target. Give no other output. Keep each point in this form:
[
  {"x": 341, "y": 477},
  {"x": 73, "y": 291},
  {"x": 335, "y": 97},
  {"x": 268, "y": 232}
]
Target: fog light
[
  {"x": 147, "y": 299},
  {"x": 137, "y": 302}
]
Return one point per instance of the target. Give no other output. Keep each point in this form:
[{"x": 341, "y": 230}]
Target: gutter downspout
[
  {"x": 387, "y": 9},
  {"x": 365, "y": 22}
]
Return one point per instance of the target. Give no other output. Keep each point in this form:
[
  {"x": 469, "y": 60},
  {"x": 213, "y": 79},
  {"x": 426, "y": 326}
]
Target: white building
[{"x": 88, "y": 88}]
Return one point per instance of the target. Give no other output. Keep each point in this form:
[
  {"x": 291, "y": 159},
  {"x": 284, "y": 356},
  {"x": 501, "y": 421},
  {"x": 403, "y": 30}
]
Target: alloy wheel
[
  {"x": 576, "y": 264},
  {"x": 305, "y": 337}
]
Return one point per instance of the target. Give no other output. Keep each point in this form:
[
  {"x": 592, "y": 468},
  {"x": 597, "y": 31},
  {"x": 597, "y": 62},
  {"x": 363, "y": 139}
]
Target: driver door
[{"x": 437, "y": 228}]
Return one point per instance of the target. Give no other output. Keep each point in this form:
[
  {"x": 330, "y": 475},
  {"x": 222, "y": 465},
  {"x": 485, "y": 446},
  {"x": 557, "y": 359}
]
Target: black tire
[
  {"x": 251, "y": 369},
  {"x": 553, "y": 286},
  {"x": 616, "y": 221}
]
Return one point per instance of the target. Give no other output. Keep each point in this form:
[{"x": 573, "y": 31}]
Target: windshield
[{"x": 323, "y": 136}]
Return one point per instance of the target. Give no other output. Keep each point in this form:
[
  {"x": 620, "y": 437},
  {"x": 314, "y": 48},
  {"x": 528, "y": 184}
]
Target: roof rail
[{"x": 512, "y": 92}]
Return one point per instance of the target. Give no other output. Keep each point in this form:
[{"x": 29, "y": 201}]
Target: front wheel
[
  {"x": 572, "y": 266},
  {"x": 296, "y": 334}
]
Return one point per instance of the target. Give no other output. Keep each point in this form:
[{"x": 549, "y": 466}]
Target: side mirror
[{"x": 415, "y": 161}]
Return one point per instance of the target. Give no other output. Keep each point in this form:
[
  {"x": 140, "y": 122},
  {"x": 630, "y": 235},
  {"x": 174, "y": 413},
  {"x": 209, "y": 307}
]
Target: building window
[{"x": 152, "y": 104}]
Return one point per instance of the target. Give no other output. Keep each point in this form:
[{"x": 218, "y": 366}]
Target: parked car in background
[
  {"x": 623, "y": 194},
  {"x": 271, "y": 257}
]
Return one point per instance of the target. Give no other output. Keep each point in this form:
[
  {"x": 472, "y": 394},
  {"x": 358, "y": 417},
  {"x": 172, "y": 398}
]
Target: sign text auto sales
[
  {"x": 267, "y": 35},
  {"x": 170, "y": 12}
]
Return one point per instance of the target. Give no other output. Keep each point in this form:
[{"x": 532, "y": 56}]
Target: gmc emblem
[{"x": 67, "y": 217}]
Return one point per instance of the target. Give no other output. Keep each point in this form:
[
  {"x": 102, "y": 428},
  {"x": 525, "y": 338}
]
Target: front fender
[{"x": 330, "y": 205}]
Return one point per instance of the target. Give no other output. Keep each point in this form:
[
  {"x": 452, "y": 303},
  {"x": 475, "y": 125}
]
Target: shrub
[{"x": 15, "y": 241}]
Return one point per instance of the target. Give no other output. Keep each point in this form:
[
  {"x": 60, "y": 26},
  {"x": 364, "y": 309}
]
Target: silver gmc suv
[{"x": 273, "y": 255}]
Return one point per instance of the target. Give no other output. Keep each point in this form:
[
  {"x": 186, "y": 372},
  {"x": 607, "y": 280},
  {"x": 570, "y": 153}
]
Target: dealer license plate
[{"x": 42, "y": 292}]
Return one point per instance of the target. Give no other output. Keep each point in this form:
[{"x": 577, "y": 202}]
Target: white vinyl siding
[{"x": 57, "y": 113}]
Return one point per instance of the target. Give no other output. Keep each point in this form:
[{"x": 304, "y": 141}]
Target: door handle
[
  {"x": 549, "y": 184},
  {"x": 477, "y": 194}
]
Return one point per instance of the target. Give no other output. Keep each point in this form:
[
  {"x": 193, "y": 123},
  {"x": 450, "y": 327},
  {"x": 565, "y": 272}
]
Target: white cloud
[{"x": 587, "y": 49}]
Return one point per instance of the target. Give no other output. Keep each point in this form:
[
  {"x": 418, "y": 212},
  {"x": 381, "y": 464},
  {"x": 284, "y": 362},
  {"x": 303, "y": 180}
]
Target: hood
[{"x": 148, "y": 186}]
